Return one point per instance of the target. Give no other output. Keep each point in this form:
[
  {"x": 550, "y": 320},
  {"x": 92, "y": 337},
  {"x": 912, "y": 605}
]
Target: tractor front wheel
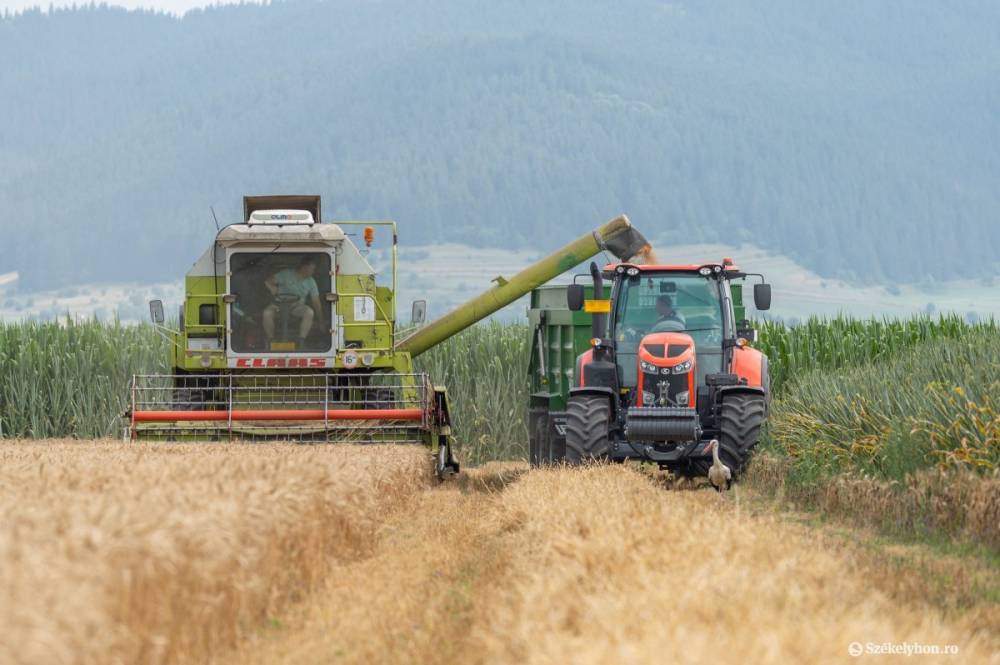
[
  {"x": 742, "y": 418},
  {"x": 588, "y": 423}
]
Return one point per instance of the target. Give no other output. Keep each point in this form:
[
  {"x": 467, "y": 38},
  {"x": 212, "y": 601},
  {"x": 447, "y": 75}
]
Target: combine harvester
[{"x": 286, "y": 335}]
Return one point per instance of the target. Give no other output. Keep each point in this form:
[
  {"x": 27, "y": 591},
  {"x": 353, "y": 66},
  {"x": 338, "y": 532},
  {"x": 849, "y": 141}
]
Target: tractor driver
[
  {"x": 667, "y": 317},
  {"x": 292, "y": 288}
]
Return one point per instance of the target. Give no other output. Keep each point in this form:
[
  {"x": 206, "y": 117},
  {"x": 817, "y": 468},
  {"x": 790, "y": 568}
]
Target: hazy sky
[{"x": 173, "y": 6}]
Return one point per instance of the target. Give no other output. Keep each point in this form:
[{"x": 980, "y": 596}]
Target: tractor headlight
[
  {"x": 683, "y": 399},
  {"x": 648, "y": 398},
  {"x": 683, "y": 367},
  {"x": 632, "y": 272},
  {"x": 648, "y": 367}
]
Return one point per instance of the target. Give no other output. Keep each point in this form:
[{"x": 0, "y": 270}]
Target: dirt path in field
[{"x": 604, "y": 565}]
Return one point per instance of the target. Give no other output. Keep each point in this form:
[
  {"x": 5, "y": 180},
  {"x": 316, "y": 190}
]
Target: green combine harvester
[{"x": 285, "y": 334}]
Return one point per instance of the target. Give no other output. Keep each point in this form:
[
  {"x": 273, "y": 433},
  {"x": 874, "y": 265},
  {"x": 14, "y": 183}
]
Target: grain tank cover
[{"x": 307, "y": 202}]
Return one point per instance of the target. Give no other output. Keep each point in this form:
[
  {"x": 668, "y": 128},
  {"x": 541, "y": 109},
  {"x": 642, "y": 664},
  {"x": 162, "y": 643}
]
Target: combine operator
[{"x": 292, "y": 288}]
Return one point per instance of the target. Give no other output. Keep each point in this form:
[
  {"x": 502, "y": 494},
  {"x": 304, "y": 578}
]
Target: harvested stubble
[
  {"x": 172, "y": 553},
  {"x": 602, "y": 565},
  {"x": 684, "y": 577}
]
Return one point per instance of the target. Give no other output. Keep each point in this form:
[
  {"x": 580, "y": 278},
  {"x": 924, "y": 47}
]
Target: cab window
[
  {"x": 685, "y": 303},
  {"x": 280, "y": 302}
]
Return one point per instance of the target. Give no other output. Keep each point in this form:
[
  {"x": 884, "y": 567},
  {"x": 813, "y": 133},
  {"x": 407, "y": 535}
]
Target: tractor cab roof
[{"x": 726, "y": 265}]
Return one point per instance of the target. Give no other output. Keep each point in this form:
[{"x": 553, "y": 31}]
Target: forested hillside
[{"x": 860, "y": 138}]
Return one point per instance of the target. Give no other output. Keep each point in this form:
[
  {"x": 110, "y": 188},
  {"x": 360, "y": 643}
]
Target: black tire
[
  {"x": 588, "y": 421},
  {"x": 533, "y": 445},
  {"x": 742, "y": 418}
]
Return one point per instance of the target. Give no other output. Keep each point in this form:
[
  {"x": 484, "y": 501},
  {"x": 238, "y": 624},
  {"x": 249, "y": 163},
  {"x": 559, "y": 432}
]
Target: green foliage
[
  {"x": 831, "y": 344},
  {"x": 930, "y": 405},
  {"x": 885, "y": 397},
  {"x": 485, "y": 369},
  {"x": 70, "y": 379}
]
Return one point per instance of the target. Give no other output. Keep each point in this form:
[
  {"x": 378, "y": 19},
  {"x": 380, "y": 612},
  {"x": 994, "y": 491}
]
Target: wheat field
[
  {"x": 609, "y": 565},
  {"x": 114, "y": 553},
  {"x": 260, "y": 554}
]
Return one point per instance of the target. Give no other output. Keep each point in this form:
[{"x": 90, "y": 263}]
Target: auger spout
[{"x": 617, "y": 236}]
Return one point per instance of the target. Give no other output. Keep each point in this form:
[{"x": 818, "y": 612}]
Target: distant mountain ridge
[{"x": 861, "y": 139}]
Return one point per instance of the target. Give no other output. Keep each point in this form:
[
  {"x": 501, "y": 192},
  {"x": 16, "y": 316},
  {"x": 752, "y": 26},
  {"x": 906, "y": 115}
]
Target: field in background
[
  {"x": 70, "y": 379},
  {"x": 174, "y": 553}
]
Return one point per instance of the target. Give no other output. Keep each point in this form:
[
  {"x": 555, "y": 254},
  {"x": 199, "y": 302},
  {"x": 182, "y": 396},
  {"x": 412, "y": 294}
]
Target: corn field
[
  {"x": 69, "y": 379},
  {"x": 932, "y": 405},
  {"x": 831, "y": 344},
  {"x": 486, "y": 371}
]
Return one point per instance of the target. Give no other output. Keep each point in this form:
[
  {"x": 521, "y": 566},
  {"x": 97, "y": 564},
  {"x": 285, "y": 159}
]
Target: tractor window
[
  {"x": 669, "y": 302},
  {"x": 280, "y": 302}
]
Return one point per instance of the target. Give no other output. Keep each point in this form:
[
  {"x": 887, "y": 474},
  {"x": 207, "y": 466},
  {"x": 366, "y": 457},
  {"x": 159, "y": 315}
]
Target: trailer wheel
[
  {"x": 539, "y": 446},
  {"x": 588, "y": 421}
]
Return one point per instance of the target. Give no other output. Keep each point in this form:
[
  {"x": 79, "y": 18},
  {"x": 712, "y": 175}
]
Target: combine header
[{"x": 286, "y": 335}]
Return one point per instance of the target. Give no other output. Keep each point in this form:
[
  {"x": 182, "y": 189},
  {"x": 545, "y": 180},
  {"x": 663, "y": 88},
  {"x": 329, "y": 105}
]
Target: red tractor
[{"x": 670, "y": 368}]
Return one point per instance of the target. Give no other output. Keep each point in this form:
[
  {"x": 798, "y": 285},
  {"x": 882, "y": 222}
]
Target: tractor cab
[{"x": 661, "y": 318}]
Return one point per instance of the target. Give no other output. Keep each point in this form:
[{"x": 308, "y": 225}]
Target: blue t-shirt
[{"x": 291, "y": 283}]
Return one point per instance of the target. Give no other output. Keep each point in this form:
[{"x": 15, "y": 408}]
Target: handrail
[
  {"x": 395, "y": 241},
  {"x": 385, "y": 321}
]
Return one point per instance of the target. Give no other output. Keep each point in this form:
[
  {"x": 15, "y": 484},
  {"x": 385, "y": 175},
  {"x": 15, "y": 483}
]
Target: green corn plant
[
  {"x": 485, "y": 369},
  {"x": 70, "y": 378}
]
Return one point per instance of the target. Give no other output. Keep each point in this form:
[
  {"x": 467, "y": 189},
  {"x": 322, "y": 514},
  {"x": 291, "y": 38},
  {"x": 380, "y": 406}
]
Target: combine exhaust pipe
[{"x": 617, "y": 236}]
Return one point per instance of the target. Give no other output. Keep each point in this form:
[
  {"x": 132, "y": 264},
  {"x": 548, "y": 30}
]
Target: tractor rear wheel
[
  {"x": 742, "y": 418},
  {"x": 588, "y": 422}
]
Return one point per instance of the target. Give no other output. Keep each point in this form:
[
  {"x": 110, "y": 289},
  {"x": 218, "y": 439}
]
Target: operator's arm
[
  {"x": 314, "y": 300},
  {"x": 272, "y": 284},
  {"x": 317, "y": 308}
]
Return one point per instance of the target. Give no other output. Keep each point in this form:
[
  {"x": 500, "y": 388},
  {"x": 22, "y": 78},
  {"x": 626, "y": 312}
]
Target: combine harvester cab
[{"x": 285, "y": 334}]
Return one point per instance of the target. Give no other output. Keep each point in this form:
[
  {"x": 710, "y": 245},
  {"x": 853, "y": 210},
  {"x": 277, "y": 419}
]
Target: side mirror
[
  {"x": 762, "y": 296},
  {"x": 156, "y": 311},
  {"x": 418, "y": 312},
  {"x": 574, "y": 297}
]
